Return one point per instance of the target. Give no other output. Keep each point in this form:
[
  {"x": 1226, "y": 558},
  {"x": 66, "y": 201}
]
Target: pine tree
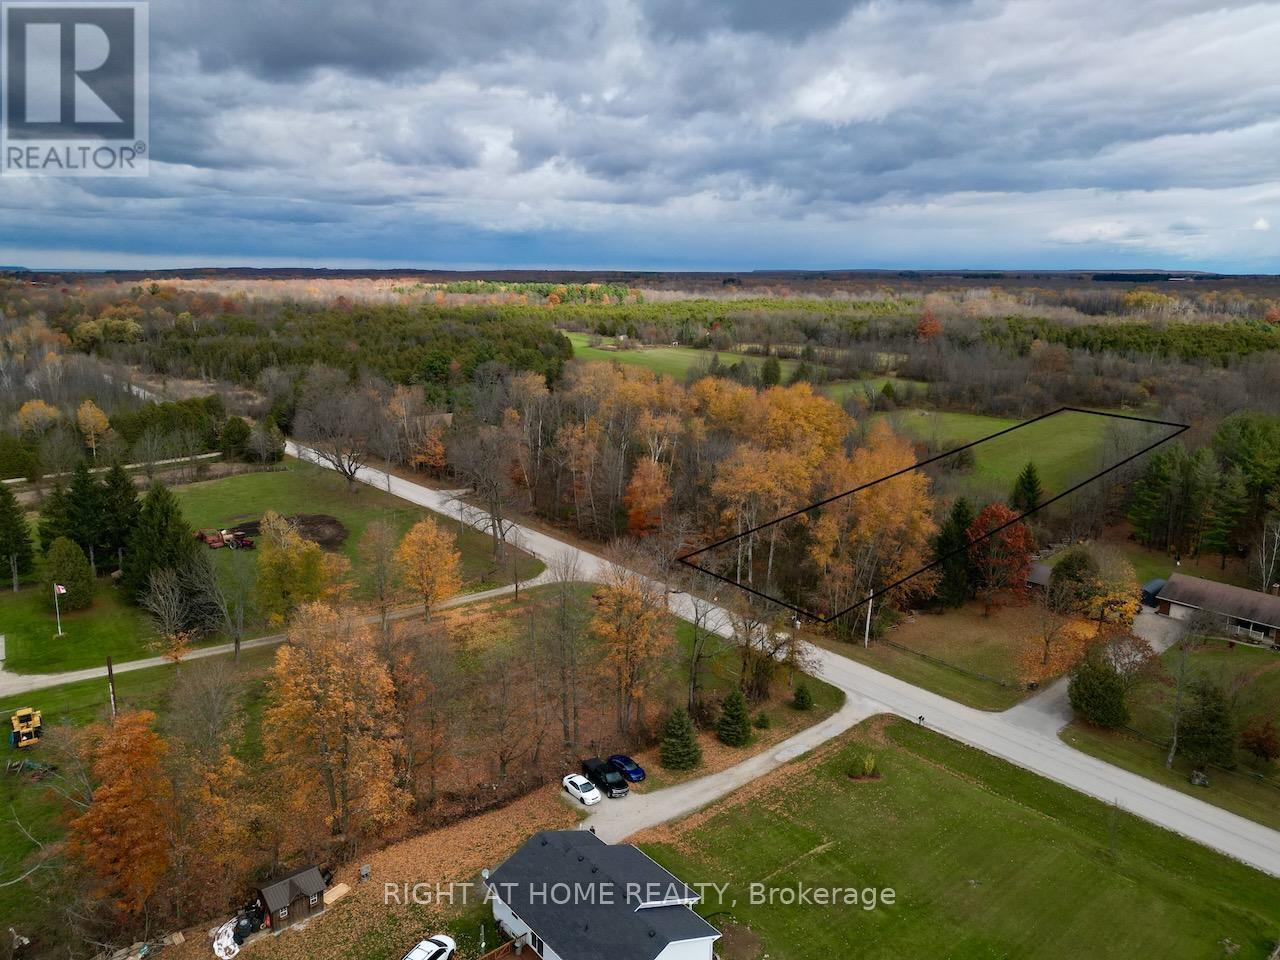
[
  {"x": 1207, "y": 732},
  {"x": 15, "y": 536},
  {"x": 734, "y": 726},
  {"x": 770, "y": 372},
  {"x": 85, "y": 513},
  {"x": 66, "y": 564},
  {"x": 802, "y": 699},
  {"x": 680, "y": 749},
  {"x": 1027, "y": 491},
  {"x": 958, "y": 575},
  {"x": 1230, "y": 503},
  {"x": 119, "y": 512},
  {"x": 55, "y": 517},
  {"x": 160, "y": 540}
]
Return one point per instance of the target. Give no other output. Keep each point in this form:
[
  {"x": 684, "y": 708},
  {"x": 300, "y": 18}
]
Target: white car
[
  {"x": 438, "y": 947},
  {"x": 576, "y": 785}
]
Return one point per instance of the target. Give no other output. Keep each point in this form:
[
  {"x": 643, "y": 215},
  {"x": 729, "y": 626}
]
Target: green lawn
[
  {"x": 306, "y": 488},
  {"x": 109, "y": 628},
  {"x": 842, "y": 390},
  {"x": 1254, "y": 672},
  {"x": 1151, "y": 564},
  {"x": 986, "y": 860},
  {"x": 1066, "y": 448},
  {"x": 674, "y": 362}
]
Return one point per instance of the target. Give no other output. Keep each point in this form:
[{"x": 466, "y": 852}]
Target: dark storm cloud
[{"x": 633, "y": 131}]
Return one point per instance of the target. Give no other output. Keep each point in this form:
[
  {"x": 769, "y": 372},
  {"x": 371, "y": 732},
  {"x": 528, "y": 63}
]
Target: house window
[
  {"x": 284, "y": 913},
  {"x": 313, "y": 899},
  {"x": 535, "y": 941}
]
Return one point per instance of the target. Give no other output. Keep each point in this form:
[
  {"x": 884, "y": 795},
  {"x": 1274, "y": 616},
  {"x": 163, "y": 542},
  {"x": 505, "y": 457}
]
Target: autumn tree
[
  {"x": 429, "y": 563},
  {"x": 165, "y": 601},
  {"x": 36, "y": 416},
  {"x": 293, "y": 570},
  {"x": 15, "y": 537},
  {"x": 646, "y": 498},
  {"x": 483, "y": 458},
  {"x": 330, "y": 733},
  {"x": 635, "y": 632},
  {"x": 1002, "y": 547},
  {"x": 1261, "y": 739},
  {"x": 121, "y": 840},
  {"x": 93, "y": 424},
  {"x": 565, "y": 628},
  {"x": 338, "y": 420},
  {"x": 929, "y": 326}
]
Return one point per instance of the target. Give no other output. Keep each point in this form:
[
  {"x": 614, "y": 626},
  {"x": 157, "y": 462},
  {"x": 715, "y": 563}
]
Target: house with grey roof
[
  {"x": 568, "y": 895},
  {"x": 293, "y": 897},
  {"x": 1246, "y": 612}
]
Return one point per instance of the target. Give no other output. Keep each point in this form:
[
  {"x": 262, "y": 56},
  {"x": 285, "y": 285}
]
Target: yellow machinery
[{"x": 27, "y": 729}]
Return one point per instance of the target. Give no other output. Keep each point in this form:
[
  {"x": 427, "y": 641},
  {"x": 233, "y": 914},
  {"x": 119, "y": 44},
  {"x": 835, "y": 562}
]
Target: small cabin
[{"x": 296, "y": 896}]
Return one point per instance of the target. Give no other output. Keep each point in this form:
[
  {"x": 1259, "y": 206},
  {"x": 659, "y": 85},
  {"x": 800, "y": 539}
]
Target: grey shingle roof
[
  {"x": 306, "y": 882},
  {"x": 610, "y": 919},
  {"x": 1222, "y": 598}
]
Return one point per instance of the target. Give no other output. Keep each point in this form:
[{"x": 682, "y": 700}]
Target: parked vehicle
[
  {"x": 606, "y": 777},
  {"x": 27, "y": 730},
  {"x": 631, "y": 770},
  {"x": 438, "y": 947},
  {"x": 581, "y": 789}
]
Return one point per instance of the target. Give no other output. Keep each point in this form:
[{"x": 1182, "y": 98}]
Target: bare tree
[
  {"x": 165, "y": 600},
  {"x": 566, "y": 630},
  {"x": 219, "y": 602},
  {"x": 204, "y": 705},
  {"x": 378, "y": 553},
  {"x": 338, "y": 423},
  {"x": 1267, "y": 553},
  {"x": 482, "y": 457}
]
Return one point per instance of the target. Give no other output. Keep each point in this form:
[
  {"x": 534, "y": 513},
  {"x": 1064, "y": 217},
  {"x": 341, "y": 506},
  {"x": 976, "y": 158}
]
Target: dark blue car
[{"x": 627, "y": 767}]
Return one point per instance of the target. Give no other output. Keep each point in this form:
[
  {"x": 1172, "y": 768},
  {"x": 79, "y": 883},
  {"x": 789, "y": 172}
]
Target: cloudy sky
[{"x": 689, "y": 134}]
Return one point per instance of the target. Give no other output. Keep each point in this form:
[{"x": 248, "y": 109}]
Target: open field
[
  {"x": 674, "y": 362},
  {"x": 1256, "y": 675},
  {"x": 1066, "y": 448},
  {"x": 842, "y": 390},
  {"x": 306, "y": 488},
  {"x": 988, "y": 645},
  {"x": 986, "y": 861}
]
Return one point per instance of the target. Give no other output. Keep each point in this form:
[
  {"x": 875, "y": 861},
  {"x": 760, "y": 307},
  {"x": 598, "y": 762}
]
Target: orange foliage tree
[
  {"x": 122, "y": 839},
  {"x": 429, "y": 563},
  {"x": 646, "y": 497},
  {"x": 1004, "y": 558},
  {"x": 630, "y": 619}
]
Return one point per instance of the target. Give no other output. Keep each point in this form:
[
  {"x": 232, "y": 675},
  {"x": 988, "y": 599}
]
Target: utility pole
[{"x": 111, "y": 686}]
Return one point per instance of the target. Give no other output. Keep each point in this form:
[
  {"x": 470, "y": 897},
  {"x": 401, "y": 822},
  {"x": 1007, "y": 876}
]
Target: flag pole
[{"x": 57, "y": 609}]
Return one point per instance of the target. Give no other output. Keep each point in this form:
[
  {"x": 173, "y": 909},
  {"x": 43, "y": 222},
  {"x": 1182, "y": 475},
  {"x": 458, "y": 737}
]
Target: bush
[
  {"x": 802, "y": 699},
  {"x": 869, "y": 765},
  {"x": 761, "y": 721},
  {"x": 1097, "y": 691},
  {"x": 734, "y": 728},
  {"x": 1261, "y": 739},
  {"x": 66, "y": 564},
  {"x": 679, "y": 749}
]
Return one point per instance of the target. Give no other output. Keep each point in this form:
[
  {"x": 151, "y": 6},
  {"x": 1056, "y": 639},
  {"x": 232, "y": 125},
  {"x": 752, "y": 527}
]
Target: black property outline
[{"x": 686, "y": 558}]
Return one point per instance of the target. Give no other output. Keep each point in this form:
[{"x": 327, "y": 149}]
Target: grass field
[
  {"x": 305, "y": 488},
  {"x": 109, "y": 628},
  {"x": 1066, "y": 448},
  {"x": 842, "y": 390},
  {"x": 674, "y": 362},
  {"x": 986, "y": 860},
  {"x": 1254, "y": 672},
  {"x": 1152, "y": 564},
  {"x": 991, "y": 646}
]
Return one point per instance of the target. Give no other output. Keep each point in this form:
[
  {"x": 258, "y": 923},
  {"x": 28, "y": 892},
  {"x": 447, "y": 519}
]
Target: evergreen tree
[
  {"x": 802, "y": 699},
  {"x": 119, "y": 512},
  {"x": 734, "y": 726},
  {"x": 1230, "y": 503},
  {"x": 55, "y": 517},
  {"x": 1027, "y": 491},
  {"x": 679, "y": 749},
  {"x": 235, "y": 438},
  {"x": 85, "y": 513},
  {"x": 1097, "y": 690},
  {"x": 958, "y": 575},
  {"x": 1207, "y": 731},
  {"x": 160, "y": 540},
  {"x": 1075, "y": 578},
  {"x": 770, "y": 372},
  {"x": 15, "y": 536},
  {"x": 65, "y": 564}
]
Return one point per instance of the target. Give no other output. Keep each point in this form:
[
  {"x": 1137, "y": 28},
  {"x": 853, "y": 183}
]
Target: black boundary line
[{"x": 686, "y": 558}]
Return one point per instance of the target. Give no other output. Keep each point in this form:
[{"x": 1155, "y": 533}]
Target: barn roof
[{"x": 306, "y": 882}]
